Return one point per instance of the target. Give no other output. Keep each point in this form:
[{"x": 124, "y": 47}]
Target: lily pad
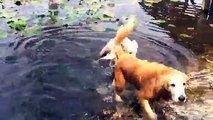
[
  {"x": 154, "y": 1},
  {"x": 18, "y": 24},
  {"x": 7, "y": 14},
  {"x": 174, "y": 0},
  {"x": 107, "y": 16},
  {"x": 159, "y": 21},
  {"x": 171, "y": 25},
  {"x": 95, "y": 8},
  {"x": 98, "y": 27},
  {"x": 148, "y": 4},
  {"x": 190, "y": 28},
  {"x": 3, "y": 34},
  {"x": 111, "y": 4},
  {"x": 80, "y": 11},
  {"x": 185, "y": 35},
  {"x": 36, "y": 1},
  {"x": 93, "y": 19},
  {"x": 34, "y": 30},
  {"x": 89, "y": 2}
]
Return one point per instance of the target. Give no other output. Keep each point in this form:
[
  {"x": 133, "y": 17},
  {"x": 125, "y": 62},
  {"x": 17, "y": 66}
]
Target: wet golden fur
[{"x": 148, "y": 77}]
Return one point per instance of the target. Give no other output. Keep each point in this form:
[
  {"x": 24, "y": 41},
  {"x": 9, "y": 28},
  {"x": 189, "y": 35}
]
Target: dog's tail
[
  {"x": 124, "y": 31},
  {"x": 121, "y": 34}
]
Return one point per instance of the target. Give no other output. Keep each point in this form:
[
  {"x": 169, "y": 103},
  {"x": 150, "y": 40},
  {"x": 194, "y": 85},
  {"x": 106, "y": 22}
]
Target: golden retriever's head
[{"x": 176, "y": 84}]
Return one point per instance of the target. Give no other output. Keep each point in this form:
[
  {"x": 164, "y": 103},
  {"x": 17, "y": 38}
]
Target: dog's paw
[
  {"x": 152, "y": 116},
  {"x": 118, "y": 98},
  {"x": 109, "y": 56}
]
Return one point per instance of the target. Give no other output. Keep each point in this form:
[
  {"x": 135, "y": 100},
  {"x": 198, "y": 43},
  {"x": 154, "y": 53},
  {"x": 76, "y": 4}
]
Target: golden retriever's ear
[
  {"x": 165, "y": 81},
  {"x": 166, "y": 85},
  {"x": 187, "y": 78},
  {"x": 188, "y": 83}
]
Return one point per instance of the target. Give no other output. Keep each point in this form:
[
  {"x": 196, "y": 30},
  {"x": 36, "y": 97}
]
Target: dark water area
[
  {"x": 186, "y": 18},
  {"x": 52, "y": 74}
]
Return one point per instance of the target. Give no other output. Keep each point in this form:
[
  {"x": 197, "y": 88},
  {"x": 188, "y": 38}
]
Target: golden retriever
[{"x": 150, "y": 78}]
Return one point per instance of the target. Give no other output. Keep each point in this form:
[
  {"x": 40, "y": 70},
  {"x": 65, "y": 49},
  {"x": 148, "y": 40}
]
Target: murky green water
[{"x": 48, "y": 65}]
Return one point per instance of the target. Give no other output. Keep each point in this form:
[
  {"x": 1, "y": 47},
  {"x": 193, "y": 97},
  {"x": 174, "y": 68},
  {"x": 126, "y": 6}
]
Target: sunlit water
[{"x": 55, "y": 75}]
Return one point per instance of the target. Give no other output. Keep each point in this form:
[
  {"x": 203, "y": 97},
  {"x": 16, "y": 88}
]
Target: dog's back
[{"x": 140, "y": 72}]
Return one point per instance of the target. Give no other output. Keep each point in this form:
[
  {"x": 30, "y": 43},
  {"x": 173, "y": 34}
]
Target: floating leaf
[
  {"x": 98, "y": 27},
  {"x": 147, "y": 4},
  {"x": 185, "y": 35},
  {"x": 80, "y": 11},
  {"x": 107, "y": 16},
  {"x": 95, "y": 8},
  {"x": 19, "y": 24},
  {"x": 36, "y": 1},
  {"x": 111, "y": 4},
  {"x": 93, "y": 19},
  {"x": 153, "y": 1},
  {"x": 34, "y": 30},
  {"x": 190, "y": 28},
  {"x": 3, "y": 34},
  {"x": 7, "y": 14},
  {"x": 90, "y": 2},
  {"x": 159, "y": 21},
  {"x": 174, "y": 0},
  {"x": 171, "y": 25},
  {"x": 211, "y": 25}
]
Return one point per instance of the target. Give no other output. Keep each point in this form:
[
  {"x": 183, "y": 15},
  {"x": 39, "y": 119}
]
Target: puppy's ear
[{"x": 135, "y": 43}]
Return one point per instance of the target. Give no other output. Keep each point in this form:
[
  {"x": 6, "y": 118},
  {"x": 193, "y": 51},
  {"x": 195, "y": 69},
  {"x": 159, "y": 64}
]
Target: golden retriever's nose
[{"x": 181, "y": 98}]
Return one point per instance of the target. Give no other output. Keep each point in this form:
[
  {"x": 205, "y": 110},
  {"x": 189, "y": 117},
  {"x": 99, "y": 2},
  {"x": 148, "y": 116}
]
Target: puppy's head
[
  {"x": 130, "y": 46},
  {"x": 176, "y": 84}
]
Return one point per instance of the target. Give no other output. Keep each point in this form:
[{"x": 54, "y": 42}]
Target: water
[{"x": 54, "y": 75}]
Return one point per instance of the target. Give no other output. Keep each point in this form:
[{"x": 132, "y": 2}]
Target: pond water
[{"x": 49, "y": 69}]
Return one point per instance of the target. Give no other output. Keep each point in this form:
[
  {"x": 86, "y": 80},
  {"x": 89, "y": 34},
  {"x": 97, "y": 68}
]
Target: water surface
[{"x": 53, "y": 74}]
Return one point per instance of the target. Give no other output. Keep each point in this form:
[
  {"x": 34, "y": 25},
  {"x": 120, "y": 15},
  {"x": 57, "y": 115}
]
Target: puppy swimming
[
  {"x": 128, "y": 45},
  {"x": 149, "y": 78}
]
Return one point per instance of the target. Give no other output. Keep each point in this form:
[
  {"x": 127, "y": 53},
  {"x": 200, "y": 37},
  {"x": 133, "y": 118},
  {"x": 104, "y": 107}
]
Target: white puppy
[{"x": 128, "y": 45}]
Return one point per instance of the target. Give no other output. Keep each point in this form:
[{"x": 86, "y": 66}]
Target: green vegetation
[
  {"x": 91, "y": 11},
  {"x": 34, "y": 30},
  {"x": 159, "y": 21},
  {"x": 17, "y": 24},
  {"x": 190, "y": 28},
  {"x": 185, "y": 35},
  {"x": 171, "y": 25}
]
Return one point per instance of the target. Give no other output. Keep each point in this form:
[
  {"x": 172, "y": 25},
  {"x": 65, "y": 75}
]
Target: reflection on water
[{"x": 55, "y": 75}]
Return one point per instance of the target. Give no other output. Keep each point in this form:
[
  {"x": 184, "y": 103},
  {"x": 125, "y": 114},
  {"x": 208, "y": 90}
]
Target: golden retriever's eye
[
  {"x": 184, "y": 84},
  {"x": 173, "y": 85}
]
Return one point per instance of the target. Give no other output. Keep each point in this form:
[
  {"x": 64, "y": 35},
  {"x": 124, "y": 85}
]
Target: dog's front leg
[
  {"x": 147, "y": 109},
  {"x": 119, "y": 83}
]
